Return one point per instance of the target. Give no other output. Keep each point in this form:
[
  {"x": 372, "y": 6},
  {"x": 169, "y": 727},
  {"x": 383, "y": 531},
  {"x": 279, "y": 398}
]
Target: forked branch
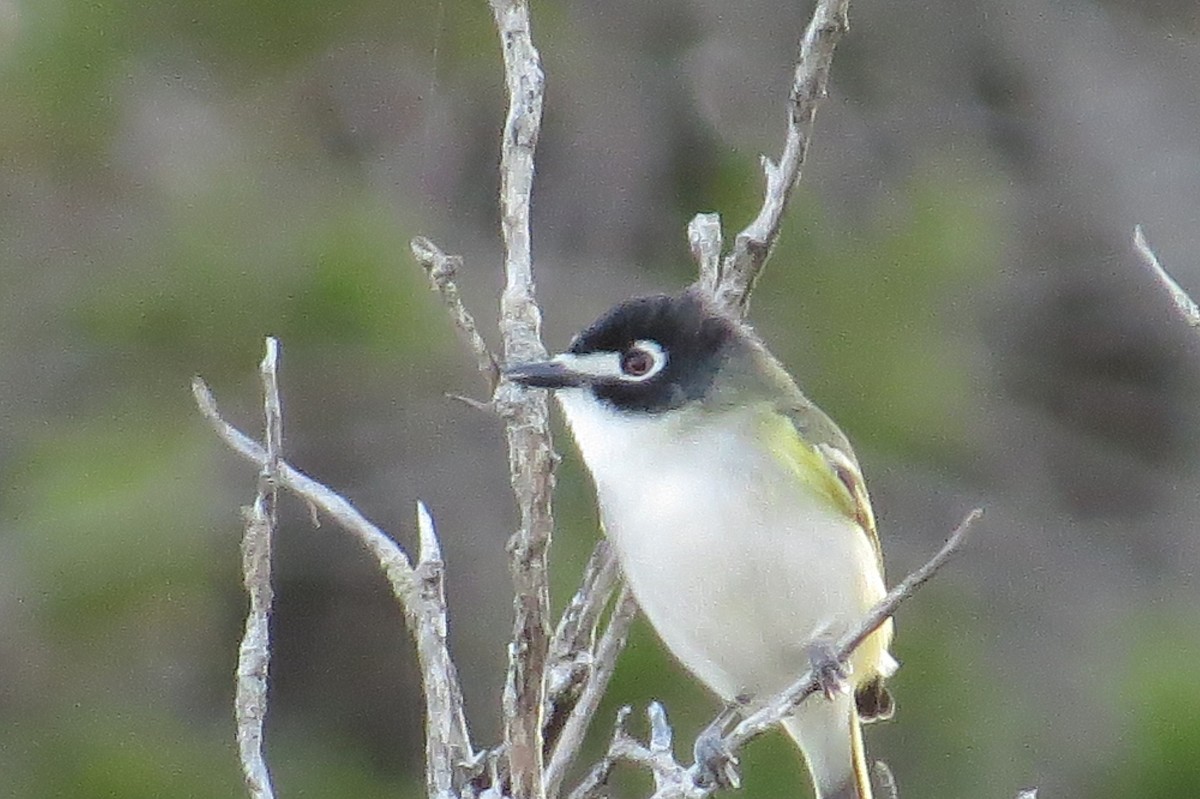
[
  {"x": 731, "y": 279},
  {"x": 450, "y": 758}
]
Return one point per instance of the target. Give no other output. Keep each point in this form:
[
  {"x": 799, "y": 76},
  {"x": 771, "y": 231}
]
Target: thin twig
[
  {"x": 442, "y": 270},
  {"x": 570, "y": 657},
  {"x": 594, "y": 782},
  {"x": 674, "y": 781},
  {"x": 576, "y": 727},
  {"x": 254, "y": 653},
  {"x": 570, "y": 653},
  {"x": 448, "y": 752},
  {"x": 471, "y": 402},
  {"x": 704, "y": 240},
  {"x": 671, "y": 780},
  {"x": 785, "y": 703},
  {"x": 526, "y": 414},
  {"x": 395, "y": 563},
  {"x": 742, "y": 266},
  {"x": 451, "y": 760},
  {"x": 1179, "y": 298}
]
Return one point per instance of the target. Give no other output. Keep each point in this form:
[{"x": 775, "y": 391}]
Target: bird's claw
[
  {"x": 715, "y": 763},
  {"x": 831, "y": 674}
]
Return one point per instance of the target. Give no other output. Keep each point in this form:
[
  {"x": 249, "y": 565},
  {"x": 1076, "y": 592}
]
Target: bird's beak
[{"x": 554, "y": 373}]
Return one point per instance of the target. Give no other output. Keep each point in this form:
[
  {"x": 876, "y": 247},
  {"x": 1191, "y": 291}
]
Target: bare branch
[
  {"x": 442, "y": 270},
  {"x": 576, "y": 727},
  {"x": 451, "y": 760},
  {"x": 1183, "y": 303},
  {"x": 569, "y": 657},
  {"x": 704, "y": 240},
  {"x": 594, "y": 783},
  {"x": 742, "y": 266},
  {"x": 448, "y": 752},
  {"x": 472, "y": 403},
  {"x": 783, "y": 704},
  {"x": 673, "y": 781},
  {"x": 395, "y": 563},
  {"x": 521, "y": 317},
  {"x": 527, "y": 418},
  {"x": 268, "y": 371},
  {"x": 254, "y": 653},
  {"x": 670, "y": 779}
]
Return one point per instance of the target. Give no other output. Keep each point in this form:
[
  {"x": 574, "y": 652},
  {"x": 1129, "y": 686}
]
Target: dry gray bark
[
  {"x": 591, "y": 692},
  {"x": 450, "y": 758},
  {"x": 254, "y": 653}
]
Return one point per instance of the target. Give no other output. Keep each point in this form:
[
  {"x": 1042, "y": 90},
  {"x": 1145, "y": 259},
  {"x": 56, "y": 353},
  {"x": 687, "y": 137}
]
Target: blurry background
[{"x": 955, "y": 285}]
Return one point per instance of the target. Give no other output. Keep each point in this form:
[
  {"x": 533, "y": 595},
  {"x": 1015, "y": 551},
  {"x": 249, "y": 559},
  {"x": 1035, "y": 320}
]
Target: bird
[{"x": 737, "y": 511}]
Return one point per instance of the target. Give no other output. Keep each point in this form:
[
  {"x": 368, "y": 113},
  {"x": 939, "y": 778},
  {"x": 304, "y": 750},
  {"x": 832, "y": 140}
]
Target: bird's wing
[{"x": 819, "y": 445}]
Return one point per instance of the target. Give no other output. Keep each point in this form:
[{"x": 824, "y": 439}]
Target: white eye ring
[{"x": 642, "y": 361}]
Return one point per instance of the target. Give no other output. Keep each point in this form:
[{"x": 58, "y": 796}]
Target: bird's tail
[{"x": 829, "y": 735}]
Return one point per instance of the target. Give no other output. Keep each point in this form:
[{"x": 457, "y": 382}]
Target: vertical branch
[
  {"x": 704, "y": 240},
  {"x": 254, "y": 654},
  {"x": 527, "y": 421},
  {"x": 447, "y": 745},
  {"x": 520, "y": 315},
  {"x": 450, "y": 757}
]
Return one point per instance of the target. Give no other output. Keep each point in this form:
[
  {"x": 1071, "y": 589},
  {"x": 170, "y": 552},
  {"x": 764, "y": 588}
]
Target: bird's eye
[
  {"x": 642, "y": 360},
  {"x": 637, "y": 362}
]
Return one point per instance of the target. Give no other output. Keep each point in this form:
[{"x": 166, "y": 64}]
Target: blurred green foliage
[
  {"x": 100, "y": 508},
  {"x": 851, "y": 308},
  {"x": 215, "y": 285},
  {"x": 118, "y": 751},
  {"x": 1161, "y": 704},
  {"x": 60, "y": 73},
  {"x": 127, "y": 561}
]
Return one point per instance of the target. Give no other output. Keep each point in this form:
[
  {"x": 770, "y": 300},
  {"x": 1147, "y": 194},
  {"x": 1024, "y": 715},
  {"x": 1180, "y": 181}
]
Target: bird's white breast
[{"x": 736, "y": 563}]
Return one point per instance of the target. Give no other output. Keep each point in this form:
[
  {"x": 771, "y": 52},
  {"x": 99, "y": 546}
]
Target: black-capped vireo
[{"x": 737, "y": 510}]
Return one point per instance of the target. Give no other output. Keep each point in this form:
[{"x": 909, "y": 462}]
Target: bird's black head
[{"x": 648, "y": 354}]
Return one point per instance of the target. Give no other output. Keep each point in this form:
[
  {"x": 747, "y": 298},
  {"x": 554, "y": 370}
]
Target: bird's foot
[
  {"x": 831, "y": 674},
  {"x": 715, "y": 763}
]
